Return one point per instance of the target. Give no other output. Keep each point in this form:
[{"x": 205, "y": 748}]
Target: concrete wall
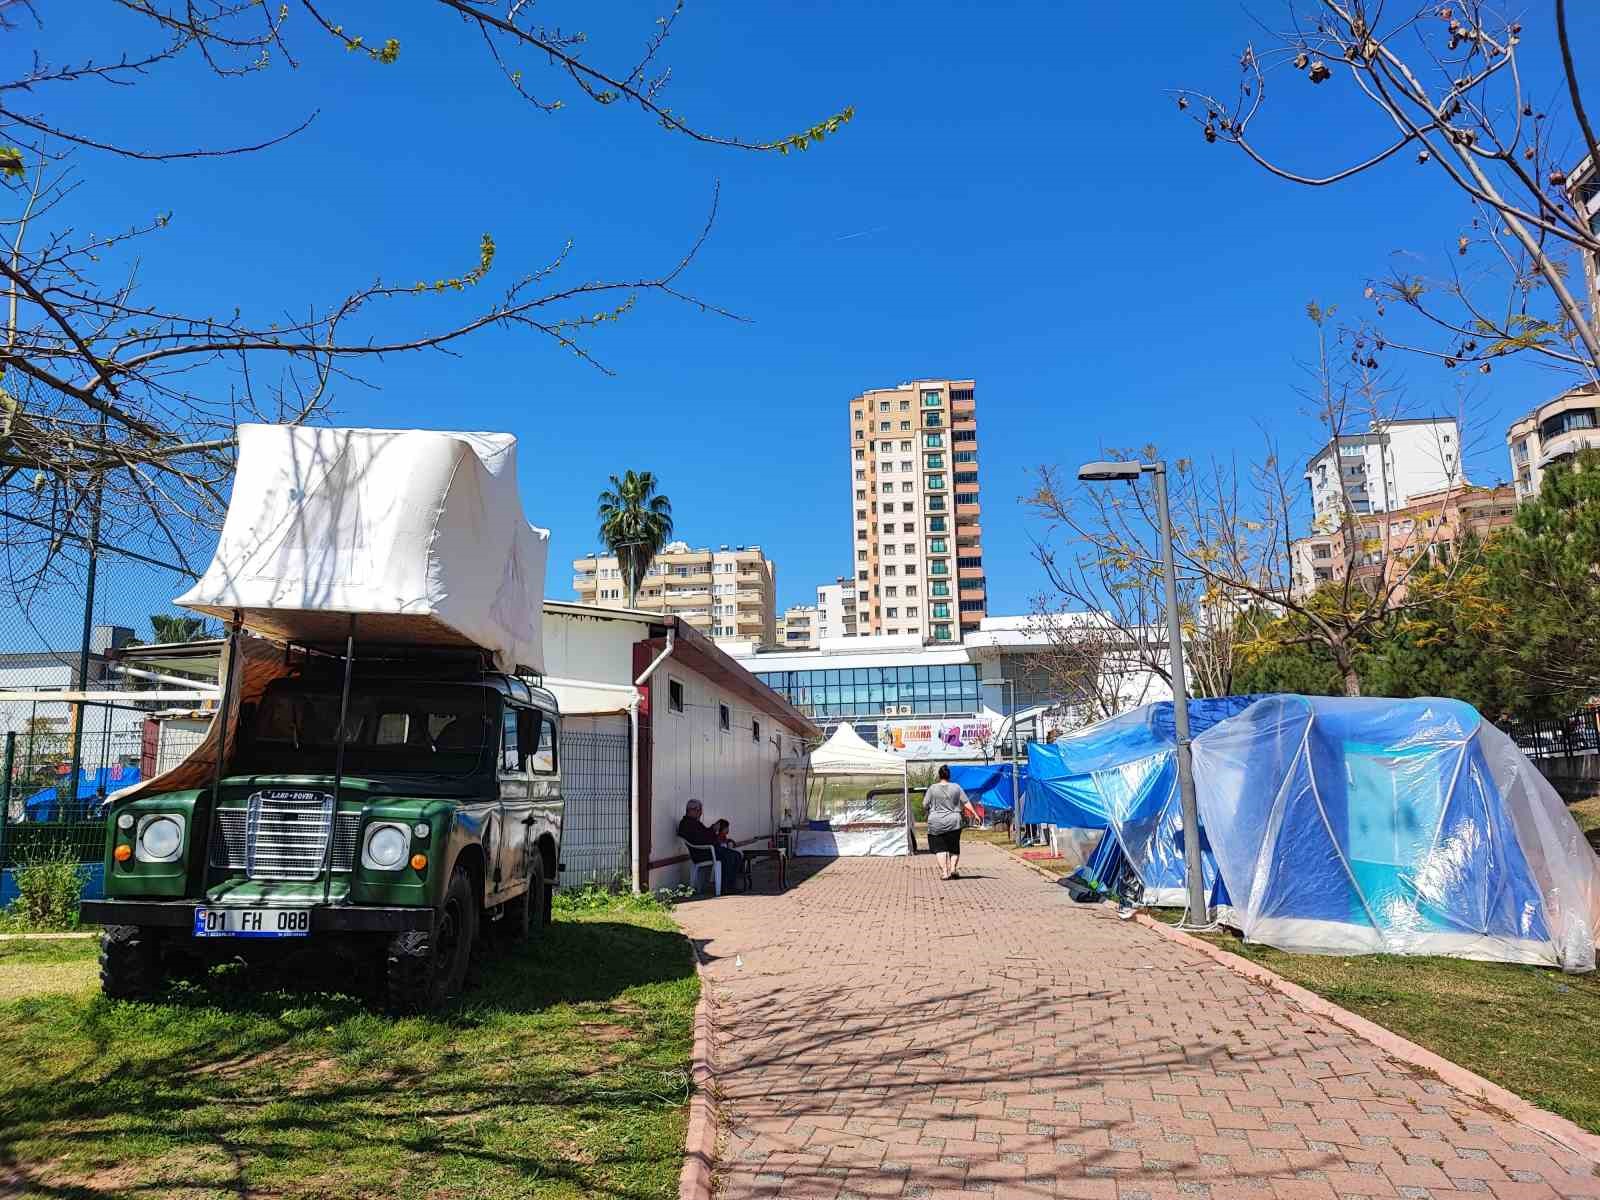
[{"x": 1576, "y": 778}]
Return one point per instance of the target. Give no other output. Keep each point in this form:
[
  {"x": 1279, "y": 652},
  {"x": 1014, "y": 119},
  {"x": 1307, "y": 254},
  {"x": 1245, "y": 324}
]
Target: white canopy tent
[{"x": 853, "y": 807}]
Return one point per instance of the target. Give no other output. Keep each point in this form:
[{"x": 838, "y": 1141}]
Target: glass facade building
[{"x": 873, "y": 692}]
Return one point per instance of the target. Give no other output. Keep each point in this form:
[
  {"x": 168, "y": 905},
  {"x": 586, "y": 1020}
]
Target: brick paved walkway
[{"x": 892, "y": 1035}]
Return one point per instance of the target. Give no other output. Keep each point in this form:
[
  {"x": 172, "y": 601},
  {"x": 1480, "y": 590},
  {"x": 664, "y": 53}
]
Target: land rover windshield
[{"x": 410, "y": 727}]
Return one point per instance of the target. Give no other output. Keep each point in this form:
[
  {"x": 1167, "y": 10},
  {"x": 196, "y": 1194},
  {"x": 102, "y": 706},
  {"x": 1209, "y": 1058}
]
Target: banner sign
[{"x": 965, "y": 738}]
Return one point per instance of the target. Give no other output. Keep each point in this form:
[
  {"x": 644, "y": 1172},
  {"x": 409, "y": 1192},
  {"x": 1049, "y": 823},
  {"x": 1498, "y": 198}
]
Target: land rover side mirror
[{"x": 528, "y": 733}]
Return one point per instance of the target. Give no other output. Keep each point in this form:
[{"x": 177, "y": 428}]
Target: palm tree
[
  {"x": 635, "y": 523},
  {"x": 174, "y": 627}
]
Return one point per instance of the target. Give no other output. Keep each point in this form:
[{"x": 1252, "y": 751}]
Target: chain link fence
[{"x": 65, "y": 612}]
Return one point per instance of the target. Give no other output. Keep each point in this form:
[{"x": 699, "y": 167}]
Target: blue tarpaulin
[
  {"x": 1121, "y": 775},
  {"x": 990, "y": 785},
  {"x": 1346, "y": 826},
  {"x": 92, "y": 786}
]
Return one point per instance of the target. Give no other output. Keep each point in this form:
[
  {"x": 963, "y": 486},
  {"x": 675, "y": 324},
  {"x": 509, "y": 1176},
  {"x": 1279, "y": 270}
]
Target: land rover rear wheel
[
  {"x": 130, "y": 963},
  {"x": 425, "y": 972}
]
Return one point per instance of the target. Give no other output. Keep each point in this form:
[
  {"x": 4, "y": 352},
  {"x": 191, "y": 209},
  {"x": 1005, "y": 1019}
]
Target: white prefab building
[{"x": 654, "y": 714}]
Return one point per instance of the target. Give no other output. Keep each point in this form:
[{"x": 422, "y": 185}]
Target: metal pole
[
  {"x": 1198, "y": 913},
  {"x": 1016, "y": 796},
  {"x": 338, "y": 758},
  {"x": 223, "y": 714},
  {"x": 5, "y": 791},
  {"x": 83, "y": 647}
]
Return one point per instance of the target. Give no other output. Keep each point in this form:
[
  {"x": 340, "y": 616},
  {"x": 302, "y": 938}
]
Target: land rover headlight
[
  {"x": 160, "y": 837},
  {"x": 387, "y": 847}
]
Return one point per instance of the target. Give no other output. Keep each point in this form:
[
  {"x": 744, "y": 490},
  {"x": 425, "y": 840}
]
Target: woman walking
[{"x": 947, "y": 803}]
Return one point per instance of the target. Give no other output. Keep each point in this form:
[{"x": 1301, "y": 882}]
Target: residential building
[
  {"x": 798, "y": 630},
  {"x": 1550, "y": 433},
  {"x": 917, "y": 543},
  {"x": 1386, "y": 468},
  {"x": 1583, "y": 189},
  {"x": 836, "y": 609},
  {"x": 923, "y": 700},
  {"x": 1389, "y": 543},
  {"x": 729, "y": 594}
]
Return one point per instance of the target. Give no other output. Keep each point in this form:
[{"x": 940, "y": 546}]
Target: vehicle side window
[
  {"x": 543, "y": 759},
  {"x": 511, "y": 755}
]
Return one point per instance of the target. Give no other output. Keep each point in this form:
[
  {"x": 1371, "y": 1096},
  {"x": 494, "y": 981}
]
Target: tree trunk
[{"x": 1345, "y": 661}]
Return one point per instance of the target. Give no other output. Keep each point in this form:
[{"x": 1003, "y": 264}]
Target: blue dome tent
[
  {"x": 1348, "y": 826},
  {"x": 1121, "y": 775}
]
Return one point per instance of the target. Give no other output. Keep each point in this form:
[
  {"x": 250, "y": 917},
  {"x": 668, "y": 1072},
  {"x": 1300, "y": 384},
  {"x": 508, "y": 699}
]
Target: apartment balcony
[
  {"x": 583, "y": 583},
  {"x": 687, "y": 599},
  {"x": 696, "y": 575},
  {"x": 964, "y": 410},
  {"x": 1565, "y": 445},
  {"x": 969, "y": 572},
  {"x": 580, "y": 565},
  {"x": 967, "y": 535},
  {"x": 966, "y": 424},
  {"x": 968, "y": 512},
  {"x": 750, "y": 596}
]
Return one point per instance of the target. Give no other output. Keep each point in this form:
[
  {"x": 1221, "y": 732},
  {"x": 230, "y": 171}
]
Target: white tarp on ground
[
  {"x": 419, "y": 532},
  {"x": 860, "y": 793}
]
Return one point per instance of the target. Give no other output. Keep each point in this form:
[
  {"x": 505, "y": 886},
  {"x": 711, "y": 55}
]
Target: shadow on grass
[{"x": 564, "y": 1068}]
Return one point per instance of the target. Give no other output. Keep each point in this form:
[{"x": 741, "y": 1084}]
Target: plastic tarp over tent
[
  {"x": 1121, "y": 775},
  {"x": 420, "y": 533},
  {"x": 993, "y": 785},
  {"x": 1347, "y": 826},
  {"x": 857, "y": 803}
]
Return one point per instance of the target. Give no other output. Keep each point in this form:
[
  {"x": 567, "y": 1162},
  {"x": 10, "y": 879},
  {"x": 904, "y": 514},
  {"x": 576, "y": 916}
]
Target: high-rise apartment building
[
  {"x": 917, "y": 547},
  {"x": 729, "y": 593},
  {"x": 1385, "y": 468}
]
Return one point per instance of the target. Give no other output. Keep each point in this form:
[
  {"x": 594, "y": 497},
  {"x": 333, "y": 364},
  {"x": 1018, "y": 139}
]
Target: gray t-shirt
[{"x": 944, "y": 801}]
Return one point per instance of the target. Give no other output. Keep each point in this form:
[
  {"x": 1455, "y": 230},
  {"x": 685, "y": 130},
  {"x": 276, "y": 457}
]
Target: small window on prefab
[
  {"x": 675, "y": 695},
  {"x": 755, "y": 731},
  {"x": 511, "y": 753},
  {"x": 542, "y": 755},
  {"x": 724, "y": 718}
]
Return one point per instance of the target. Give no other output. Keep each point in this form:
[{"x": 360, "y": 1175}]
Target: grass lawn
[
  {"x": 1531, "y": 1030},
  {"x": 563, "y": 1074}
]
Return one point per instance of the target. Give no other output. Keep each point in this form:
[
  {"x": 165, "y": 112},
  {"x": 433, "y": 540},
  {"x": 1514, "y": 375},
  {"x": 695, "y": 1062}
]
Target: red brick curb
[
  {"x": 1514, "y": 1107},
  {"x": 700, "y": 1140}
]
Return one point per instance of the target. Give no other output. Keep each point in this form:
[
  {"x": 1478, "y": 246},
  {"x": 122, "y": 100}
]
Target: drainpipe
[{"x": 633, "y": 756}]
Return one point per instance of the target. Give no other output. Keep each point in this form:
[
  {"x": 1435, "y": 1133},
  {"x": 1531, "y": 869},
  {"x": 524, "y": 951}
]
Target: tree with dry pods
[
  {"x": 1243, "y": 587},
  {"x": 117, "y": 406},
  {"x": 1489, "y": 104}
]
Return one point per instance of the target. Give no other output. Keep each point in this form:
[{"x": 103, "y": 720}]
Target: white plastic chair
[{"x": 704, "y": 858}]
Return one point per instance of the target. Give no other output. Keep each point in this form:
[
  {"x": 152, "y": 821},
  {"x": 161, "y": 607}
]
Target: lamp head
[{"x": 1100, "y": 472}]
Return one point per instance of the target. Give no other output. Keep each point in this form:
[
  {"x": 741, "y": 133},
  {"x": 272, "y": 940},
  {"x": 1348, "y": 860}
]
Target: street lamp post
[
  {"x": 1016, "y": 796},
  {"x": 1097, "y": 472}
]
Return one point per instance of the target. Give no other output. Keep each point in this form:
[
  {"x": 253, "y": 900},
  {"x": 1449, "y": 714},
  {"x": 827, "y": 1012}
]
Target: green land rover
[{"x": 435, "y": 819}]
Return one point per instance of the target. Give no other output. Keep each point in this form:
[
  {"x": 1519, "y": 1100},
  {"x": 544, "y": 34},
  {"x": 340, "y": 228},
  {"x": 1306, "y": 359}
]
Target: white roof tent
[
  {"x": 417, "y": 533},
  {"x": 858, "y": 803}
]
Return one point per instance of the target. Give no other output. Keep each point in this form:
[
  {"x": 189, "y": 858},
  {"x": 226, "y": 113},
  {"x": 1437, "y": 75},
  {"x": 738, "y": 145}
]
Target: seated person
[{"x": 691, "y": 830}]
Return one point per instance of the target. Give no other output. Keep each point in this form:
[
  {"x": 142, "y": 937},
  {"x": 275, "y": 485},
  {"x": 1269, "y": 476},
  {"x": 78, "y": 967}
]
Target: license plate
[{"x": 252, "y": 922}]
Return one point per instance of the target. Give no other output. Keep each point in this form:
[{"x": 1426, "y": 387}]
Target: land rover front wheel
[
  {"x": 130, "y": 962},
  {"x": 424, "y": 972}
]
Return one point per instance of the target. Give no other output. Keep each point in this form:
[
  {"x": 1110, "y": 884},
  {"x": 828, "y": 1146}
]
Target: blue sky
[{"x": 1017, "y": 200}]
